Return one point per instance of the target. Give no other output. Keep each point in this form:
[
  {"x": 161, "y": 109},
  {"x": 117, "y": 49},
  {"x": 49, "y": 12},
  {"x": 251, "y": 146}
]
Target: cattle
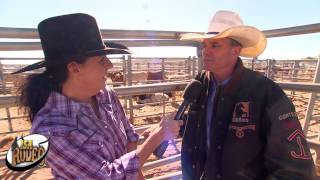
[
  {"x": 155, "y": 98},
  {"x": 136, "y": 77},
  {"x": 152, "y": 77},
  {"x": 177, "y": 77},
  {"x": 116, "y": 77},
  {"x": 158, "y": 76},
  {"x": 139, "y": 78}
]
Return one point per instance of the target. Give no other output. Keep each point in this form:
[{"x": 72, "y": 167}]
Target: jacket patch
[
  {"x": 240, "y": 130},
  {"x": 290, "y": 115},
  {"x": 296, "y": 136},
  {"x": 241, "y": 112}
]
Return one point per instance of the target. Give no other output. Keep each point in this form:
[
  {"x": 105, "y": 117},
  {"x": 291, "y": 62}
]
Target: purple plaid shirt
[{"x": 82, "y": 146}]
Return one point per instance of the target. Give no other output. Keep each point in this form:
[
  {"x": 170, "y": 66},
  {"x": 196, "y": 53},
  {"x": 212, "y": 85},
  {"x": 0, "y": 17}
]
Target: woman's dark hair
[{"x": 37, "y": 88}]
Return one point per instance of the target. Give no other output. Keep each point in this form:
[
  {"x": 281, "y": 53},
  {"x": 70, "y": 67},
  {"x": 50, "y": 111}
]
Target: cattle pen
[{"x": 299, "y": 78}]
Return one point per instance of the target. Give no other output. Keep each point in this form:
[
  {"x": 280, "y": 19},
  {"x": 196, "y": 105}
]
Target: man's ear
[
  {"x": 73, "y": 67},
  {"x": 236, "y": 50}
]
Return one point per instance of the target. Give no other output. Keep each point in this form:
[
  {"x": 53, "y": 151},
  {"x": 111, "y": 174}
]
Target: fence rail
[
  {"x": 173, "y": 86},
  {"x": 277, "y": 70},
  {"x": 10, "y": 100}
]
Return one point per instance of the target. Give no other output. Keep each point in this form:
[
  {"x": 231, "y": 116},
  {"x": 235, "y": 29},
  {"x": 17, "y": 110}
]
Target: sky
[{"x": 175, "y": 15}]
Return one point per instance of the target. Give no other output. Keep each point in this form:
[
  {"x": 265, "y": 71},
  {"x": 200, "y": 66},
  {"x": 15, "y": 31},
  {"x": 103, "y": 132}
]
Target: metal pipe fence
[
  {"x": 295, "y": 72},
  {"x": 125, "y": 91}
]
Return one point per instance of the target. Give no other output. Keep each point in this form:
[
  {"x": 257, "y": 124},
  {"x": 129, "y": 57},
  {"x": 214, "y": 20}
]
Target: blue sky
[{"x": 177, "y": 15}]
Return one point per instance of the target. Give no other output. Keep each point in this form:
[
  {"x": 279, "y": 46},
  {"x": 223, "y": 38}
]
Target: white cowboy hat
[{"x": 227, "y": 24}]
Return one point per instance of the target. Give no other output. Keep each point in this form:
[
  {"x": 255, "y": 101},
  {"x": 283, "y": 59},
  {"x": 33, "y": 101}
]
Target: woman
[{"x": 89, "y": 135}]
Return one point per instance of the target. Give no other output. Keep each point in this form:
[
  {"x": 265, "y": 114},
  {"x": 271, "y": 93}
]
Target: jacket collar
[
  {"x": 235, "y": 79},
  {"x": 233, "y": 82}
]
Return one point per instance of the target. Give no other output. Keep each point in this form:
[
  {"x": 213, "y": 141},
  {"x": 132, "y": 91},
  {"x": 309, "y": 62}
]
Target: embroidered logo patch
[
  {"x": 297, "y": 134},
  {"x": 241, "y": 112},
  {"x": 240, "y": 130},
  {"x": 289, "y": 116}
]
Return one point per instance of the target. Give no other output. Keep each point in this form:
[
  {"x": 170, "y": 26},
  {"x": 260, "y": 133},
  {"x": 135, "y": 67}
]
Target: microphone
[{"x": 190, "y": 94}]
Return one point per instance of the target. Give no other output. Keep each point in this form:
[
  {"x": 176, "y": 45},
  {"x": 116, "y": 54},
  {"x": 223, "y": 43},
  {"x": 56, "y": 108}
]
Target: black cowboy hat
[{"x": 71, "y": 36}]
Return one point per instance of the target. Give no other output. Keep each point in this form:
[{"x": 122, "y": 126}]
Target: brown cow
[
  {"x": 138, "y": 77},
  {"x": 152, "y": 76},
  {"x": 155, "y": 75},
  {"x": 116, "y": 77}
]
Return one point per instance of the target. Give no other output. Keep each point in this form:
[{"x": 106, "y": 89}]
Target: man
[{"x": 242, "y": 126}]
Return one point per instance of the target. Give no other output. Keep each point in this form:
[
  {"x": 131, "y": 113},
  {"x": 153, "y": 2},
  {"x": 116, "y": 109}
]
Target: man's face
[{"x": 219, "y": 54}]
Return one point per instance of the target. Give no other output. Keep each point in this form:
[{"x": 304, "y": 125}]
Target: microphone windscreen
[{"x": 192, "y": 91}]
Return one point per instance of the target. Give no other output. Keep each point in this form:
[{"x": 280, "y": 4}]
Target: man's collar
[{"x": 236, "y": 77}]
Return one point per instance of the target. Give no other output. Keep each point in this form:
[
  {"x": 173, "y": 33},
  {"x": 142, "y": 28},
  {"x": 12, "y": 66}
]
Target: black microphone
[{"x": 190, "y": 94}]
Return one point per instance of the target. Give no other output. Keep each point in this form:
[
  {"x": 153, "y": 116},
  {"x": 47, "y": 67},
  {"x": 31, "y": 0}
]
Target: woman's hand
[
  {"x": 140, "y": 175},
  {"x": 168, "y": 127},
  {"x": 131, "y": 146},
  {"x": 147, "y": 132}
]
